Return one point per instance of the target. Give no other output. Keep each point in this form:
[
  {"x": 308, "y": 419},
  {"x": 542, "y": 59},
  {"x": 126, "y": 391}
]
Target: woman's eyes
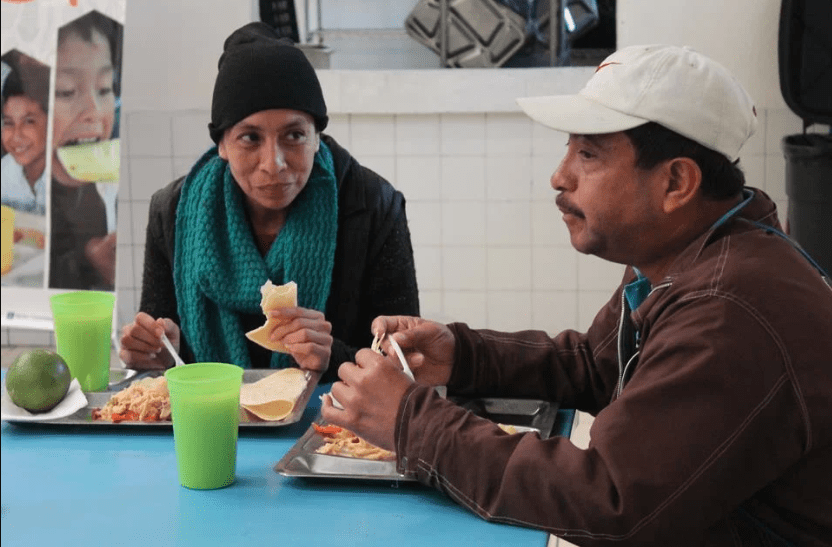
[
  {"x": 296, "y": 137},
  {"x": 292, "y": 138}
]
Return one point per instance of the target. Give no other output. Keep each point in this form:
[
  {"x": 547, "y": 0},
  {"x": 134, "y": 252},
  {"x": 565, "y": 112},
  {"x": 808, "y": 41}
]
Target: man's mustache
[{"x": 567, "y": 207}]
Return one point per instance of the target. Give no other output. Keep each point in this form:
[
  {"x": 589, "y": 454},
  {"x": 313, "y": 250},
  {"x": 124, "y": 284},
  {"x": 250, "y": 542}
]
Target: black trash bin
[
  {"x": 805, "y": 63},
  {"x": 809, "y": 187}
]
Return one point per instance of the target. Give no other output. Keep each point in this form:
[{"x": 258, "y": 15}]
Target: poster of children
[{"x": 61, "y": 68}]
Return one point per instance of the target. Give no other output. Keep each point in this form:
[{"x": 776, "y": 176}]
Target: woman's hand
[
  {"x": 141, "y": 343},
  {"x": 306, "y": 334},
  {"x": 427, "y": 345}
]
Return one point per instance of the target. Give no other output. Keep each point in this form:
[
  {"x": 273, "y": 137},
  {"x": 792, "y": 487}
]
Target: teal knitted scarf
[{"x": 218, "y": 270}]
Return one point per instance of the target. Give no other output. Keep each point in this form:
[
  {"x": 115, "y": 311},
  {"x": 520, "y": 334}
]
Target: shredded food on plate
[
  {"x": 343, "y": 442},
  {"x": 145, "y": 400}
]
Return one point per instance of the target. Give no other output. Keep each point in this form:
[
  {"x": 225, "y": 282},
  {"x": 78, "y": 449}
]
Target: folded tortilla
[
  {"x": 274, "y": 397},
  {"x": 274, "y": 297}
]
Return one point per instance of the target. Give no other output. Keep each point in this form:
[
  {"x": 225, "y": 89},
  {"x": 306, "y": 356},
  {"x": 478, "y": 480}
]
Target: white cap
[{"x": 676, "y": 87}]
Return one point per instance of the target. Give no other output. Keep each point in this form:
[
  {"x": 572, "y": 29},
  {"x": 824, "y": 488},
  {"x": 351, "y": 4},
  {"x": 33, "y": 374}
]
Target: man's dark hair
[{"x": 654, "y": 143}]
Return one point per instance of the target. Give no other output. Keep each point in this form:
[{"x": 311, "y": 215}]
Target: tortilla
[
  {"x": 275, "y": 396},
  {"x": 274, "y": 297}
]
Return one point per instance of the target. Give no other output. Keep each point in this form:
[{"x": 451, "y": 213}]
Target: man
[{"x": 709, "y": 371}]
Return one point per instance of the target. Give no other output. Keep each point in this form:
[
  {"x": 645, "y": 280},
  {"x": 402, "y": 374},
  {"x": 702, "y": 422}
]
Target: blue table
[{"x": 82, "y": 486}]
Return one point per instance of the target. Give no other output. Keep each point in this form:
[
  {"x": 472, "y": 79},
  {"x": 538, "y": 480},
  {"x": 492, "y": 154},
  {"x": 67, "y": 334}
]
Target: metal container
[{"x": 467, "y": 33}]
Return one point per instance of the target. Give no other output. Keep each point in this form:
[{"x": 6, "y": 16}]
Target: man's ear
[
  {"x": 682, "y": 184},
  {"x": 317, "y": 141},
  {"x": 221, "y": 150}
]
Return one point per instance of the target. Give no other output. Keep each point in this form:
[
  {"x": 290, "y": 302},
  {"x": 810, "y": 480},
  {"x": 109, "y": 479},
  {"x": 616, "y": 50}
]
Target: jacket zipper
[{"x": 622, "y": 366}]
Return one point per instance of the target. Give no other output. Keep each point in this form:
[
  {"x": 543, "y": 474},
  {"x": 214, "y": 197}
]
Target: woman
[
  {"x": 83, "y": 250},
  {"x": 25, "y": 107},
  {"x": 274, "y": 200}
]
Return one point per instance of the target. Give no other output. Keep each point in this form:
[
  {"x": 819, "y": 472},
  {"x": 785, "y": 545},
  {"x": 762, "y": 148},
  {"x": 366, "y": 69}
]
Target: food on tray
[
  {"x": 38, "y": 380},
  {"x": 508, "y": 428},
  {"x": 343, "y": 442},
  {"x": 145, "y": 400},
  {"x": 274, "y": 297},
  {"x": 271, "y": 398},
  {"x": 274, "y": 397}
]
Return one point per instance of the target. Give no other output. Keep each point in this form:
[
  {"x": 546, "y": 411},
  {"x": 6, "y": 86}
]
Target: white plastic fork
[{"x": 402, "y": 360}]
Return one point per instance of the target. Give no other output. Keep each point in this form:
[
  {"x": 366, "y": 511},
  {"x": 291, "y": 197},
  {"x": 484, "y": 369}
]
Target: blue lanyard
[
  {"x": 638, "y": 290},
  {"x": 748, "y": 195}
]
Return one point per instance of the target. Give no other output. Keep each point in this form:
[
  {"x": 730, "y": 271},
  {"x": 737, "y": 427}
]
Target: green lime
[{"x": 38, "y": 380}]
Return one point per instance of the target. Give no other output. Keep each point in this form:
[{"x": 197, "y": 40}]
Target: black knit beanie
[{"x": 258, "y": 70}]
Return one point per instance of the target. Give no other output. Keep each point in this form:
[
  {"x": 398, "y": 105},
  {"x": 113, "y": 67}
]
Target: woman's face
[
  {"x": 24, "y": 132},
  {"x": 85, "y": 101},
  {"x": 271, "y": 154}
]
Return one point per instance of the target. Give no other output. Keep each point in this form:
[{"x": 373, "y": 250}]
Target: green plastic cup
[
  {"x": 205, "y": 409},
  {"x": 83, "y": 330}
]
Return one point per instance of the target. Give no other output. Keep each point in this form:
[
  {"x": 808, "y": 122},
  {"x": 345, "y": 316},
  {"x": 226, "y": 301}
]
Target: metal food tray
[
  {"x": 302, "y": 460},
  {"x": 120, "y": 379}
]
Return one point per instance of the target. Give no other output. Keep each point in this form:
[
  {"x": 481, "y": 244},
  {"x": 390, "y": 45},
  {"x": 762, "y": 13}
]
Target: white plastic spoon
[{"x": 178, "y": 360}]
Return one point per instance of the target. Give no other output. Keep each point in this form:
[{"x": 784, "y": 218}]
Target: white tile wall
[
  {"x": 463, "y": 177},
  {"x": 419, "y": 178},
  {"x": 463, "y": 223},
  {"x": 417, "y": 135},
  {"x": 373, "y": 135},
  {"x": 464, "y": 268},
  {"x": 462, "y": 134},
  {"x": 490, "y": 245}
]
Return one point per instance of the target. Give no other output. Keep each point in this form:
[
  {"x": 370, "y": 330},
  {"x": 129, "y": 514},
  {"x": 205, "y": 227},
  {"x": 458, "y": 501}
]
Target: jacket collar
[{"x": 761, "y": 208}]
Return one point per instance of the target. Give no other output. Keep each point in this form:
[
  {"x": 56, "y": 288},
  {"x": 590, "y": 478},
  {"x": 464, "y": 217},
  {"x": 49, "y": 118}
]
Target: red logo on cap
[{"x": 602, "y": 65}]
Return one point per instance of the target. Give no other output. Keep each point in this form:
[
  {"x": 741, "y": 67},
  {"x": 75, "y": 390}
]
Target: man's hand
[
  {"x": 370, "y": 390},
  {"x": 427, "y": 345}
]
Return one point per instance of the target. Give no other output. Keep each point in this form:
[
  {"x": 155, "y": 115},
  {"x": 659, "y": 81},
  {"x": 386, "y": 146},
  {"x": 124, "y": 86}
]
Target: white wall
[
  {"x": 490, "y": 247},
  {"x": 741, "y": 34},
  {"x": 171, "y": 48}
]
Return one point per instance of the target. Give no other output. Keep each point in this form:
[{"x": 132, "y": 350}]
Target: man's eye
[
  {"x": 64, "y": 93},
  {"x": 249, "y": 137}
]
